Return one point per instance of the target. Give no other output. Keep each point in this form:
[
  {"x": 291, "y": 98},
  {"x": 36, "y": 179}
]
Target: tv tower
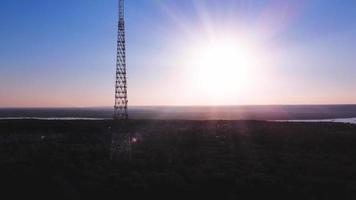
[{"x": 120, "y": 141}]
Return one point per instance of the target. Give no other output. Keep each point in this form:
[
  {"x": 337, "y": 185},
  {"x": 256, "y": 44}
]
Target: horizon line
[{"x": 167, "y": 106}]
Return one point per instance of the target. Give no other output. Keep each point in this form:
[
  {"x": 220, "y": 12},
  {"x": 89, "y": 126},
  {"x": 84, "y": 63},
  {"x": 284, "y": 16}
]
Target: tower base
[{"x": 120, "y": 143}]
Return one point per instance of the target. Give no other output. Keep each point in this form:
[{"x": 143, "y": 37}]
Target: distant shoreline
[
  {"x": 339, "y": 120},
  {"x": 265, "y": 113},
  {"x": 54, "y": 118}
]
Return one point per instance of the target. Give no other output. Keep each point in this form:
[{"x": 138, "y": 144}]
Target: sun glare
[{"x": 223, "y": 67}]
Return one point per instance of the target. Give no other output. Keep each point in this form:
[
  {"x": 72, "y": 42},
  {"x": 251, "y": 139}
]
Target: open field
[{"x": 179, "y": 160}]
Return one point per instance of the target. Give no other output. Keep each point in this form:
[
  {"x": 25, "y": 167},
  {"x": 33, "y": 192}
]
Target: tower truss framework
[
  {"x": 121, "y": 101},
  {"x": 121, "y": 140}
]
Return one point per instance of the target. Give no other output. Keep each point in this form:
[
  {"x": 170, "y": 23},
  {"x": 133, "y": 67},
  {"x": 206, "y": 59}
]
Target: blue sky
[{"x": 62, "y": 53}]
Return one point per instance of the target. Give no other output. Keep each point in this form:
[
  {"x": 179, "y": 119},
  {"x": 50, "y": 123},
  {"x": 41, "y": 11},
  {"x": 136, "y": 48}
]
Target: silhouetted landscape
[
  {"x": 179, "y": 160},
  {"x": 263, "y": 112},
  {"x": 178, "y": 100}
]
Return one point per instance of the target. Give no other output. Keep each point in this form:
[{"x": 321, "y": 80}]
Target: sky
[{"x": 179, "y": 52}]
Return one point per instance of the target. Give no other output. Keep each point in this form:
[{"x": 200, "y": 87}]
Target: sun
[{"x": 222, "y": 68}]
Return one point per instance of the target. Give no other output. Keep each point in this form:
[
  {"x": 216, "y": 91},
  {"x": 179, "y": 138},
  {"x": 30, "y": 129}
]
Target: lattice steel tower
[
  {"x": 121, "y": 73},
  {"x": 121, "y": 139}
]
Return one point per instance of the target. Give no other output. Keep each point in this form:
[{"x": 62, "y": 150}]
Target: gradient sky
[{"x": 58, "y": 53}]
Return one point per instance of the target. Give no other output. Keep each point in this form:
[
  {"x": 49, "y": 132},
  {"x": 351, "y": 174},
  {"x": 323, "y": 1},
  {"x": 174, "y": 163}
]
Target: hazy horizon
[
  {"x": 257, "y": 112},
  {"x": 178, "y": 106}
]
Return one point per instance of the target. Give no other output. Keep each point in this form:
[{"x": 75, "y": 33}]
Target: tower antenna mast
[
  {"x": 121, "y": 101},
  {"x": 121, "y": 139}
]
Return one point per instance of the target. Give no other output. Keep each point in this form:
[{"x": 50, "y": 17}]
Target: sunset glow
[{"x": 200, "y": 52}]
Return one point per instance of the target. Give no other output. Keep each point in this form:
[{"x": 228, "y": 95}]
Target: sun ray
[
  {"x": 181, "y": 21},
  {"x": 204, "y": 17}
]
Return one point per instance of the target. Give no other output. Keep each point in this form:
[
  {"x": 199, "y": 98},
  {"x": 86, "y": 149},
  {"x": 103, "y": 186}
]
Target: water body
[
  {"x": 53, "y": 118},
  {"x": 345, "y": 120}
]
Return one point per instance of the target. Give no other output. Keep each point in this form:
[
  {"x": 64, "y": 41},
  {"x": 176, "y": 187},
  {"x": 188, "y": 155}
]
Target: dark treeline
[{"x": 179, "y": 160}]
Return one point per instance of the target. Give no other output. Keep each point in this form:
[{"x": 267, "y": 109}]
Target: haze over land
[{"x": 195, "y": 113}]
